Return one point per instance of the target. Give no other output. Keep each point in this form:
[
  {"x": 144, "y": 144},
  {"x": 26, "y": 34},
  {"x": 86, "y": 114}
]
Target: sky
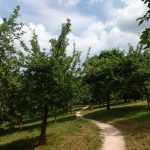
[{"x": 98, "y": 24}]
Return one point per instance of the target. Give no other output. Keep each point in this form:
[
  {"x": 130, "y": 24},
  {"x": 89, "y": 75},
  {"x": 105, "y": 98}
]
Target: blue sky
[{"x": 99, "y": 24}]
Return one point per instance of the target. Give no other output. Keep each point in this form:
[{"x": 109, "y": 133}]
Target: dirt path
[{"x": 113, "y": 139}]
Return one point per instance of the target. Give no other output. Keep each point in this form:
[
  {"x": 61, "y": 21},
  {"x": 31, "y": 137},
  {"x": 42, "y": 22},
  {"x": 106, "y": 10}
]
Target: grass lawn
[
  {"x": 68, "y": 133},
  {"x": 132, "y": 119}
]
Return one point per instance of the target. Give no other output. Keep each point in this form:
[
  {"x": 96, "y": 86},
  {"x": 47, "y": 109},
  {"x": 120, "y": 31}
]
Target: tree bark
[
  {"x": 66, "y": 107},
  {"x": 20, "y": 120},
  {"x": 125, "y": 100},
  {"x": 42, "y": 137},
  {"x": 55, "y": 114},
  {"x": 147, "y": 97},
  {"x": 108, "y": 100},
  {"x": 148, "y": 103}
]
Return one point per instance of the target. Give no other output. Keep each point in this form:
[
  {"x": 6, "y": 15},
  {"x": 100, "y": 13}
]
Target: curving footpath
[{"x": 113, "y": 139}]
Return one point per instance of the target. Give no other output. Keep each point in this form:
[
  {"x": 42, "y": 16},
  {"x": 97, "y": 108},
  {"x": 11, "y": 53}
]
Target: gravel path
[{"x": 113, "y": 139}]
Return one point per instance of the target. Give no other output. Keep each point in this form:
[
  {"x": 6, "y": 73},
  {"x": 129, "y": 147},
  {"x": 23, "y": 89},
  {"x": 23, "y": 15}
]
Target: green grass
[
  {"x": 132, "y": 119},
  {"x": 68, "y": 133}
]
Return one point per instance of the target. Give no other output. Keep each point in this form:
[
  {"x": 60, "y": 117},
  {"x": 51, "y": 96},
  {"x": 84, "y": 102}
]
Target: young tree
[{"x": 52, "y": 76}]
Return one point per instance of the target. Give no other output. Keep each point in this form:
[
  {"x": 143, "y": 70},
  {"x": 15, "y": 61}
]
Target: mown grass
[
  {"x": 68, "y": 133},
  {"x": 132, "y": 119}
]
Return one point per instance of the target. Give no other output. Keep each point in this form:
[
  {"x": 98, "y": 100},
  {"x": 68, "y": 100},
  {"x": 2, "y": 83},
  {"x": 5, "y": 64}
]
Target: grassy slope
[
  {"x": 132, "y": 119},
  {"x": 68, "y": 133}
]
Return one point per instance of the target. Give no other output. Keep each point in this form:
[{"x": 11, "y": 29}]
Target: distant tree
[
  {"x": 130, "y": 88},
  {"x": 136, "y": 74},
  {"x": 102, "y": 74},
  {"x": 143, "y": 74}
]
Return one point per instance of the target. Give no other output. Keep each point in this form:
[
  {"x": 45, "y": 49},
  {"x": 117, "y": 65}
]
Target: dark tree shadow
[
  {"x": 38, "y": 118},
  {"x": 131, "y": 120},
  {"x": 22, "y": 144},
  {"x": 139, "y": 124},
  {"x": 11, "y": 131},
  {"x": 35, "y": 126},
  {"x": 66, "y": 118},
  {"x": 31, "y": 120},
  {"x": 116, "y": 113},
  {"x": 29, "y": 143}
]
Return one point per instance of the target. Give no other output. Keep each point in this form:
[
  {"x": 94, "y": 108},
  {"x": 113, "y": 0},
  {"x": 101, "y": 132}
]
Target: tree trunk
[
  {"x": 108, "y": 100},
  {"x": 148, "y": 104},
  {"x": 71, "y": 109},
  {"x": 99, "y": 102},
  {"x": 42, "y": 138},
  {"x": 90, "y": 107},
  {"x": 55, "y": 114},
  {"x": 147, "y": 97},
  {"x": 125, "y": 100},
  {"x": 66, "y": 107},
  {"x": 20, "y": 120}
]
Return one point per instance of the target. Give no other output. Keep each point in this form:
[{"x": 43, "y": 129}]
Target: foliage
[
  {"x": 145, "y": 36},
  {"x": 116, "y": 73},
  {"x": 10, "y": 63},
  {"x": 102, "y": 73},
  {"x": 33, "y": 81}
]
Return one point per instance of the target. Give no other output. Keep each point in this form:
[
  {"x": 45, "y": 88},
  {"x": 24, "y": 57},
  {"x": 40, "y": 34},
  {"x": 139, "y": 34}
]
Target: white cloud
[
  {"x": 95, "y": 28},
  {"x": 79, "y": 22},
  {"x": 125, "y": 18},
  {"x": 117, "y": 37},
  {"x": 98, "y": 37},
  {"x": 1, "y": 20},
  {"x": 68, "y": 2},
  {"x": 119, "y": 29},
  {"x": 43, "y": 35},
  {"x": 128, "y": 2},
  {"x": 94, "y": 2},
  {"x": 53, "y": 17}
]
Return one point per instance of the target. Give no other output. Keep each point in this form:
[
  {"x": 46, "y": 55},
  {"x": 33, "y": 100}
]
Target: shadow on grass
[
  {"x": 29, "y": 143},
  {"x": 22, "y": 144},
  {"x": 31, "y": 120},
  {"x": 11, "y": 131},
  {"x": 66, "y": 118},
  {"x": 131, "y": 120},
  {"x": 36, "y": 119},
  {"x": 117, "y": 113},
  {"x": 35, "y": 126},
  {"x": 115, "y": 103},
  {"x": 137, "y": 125}
]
